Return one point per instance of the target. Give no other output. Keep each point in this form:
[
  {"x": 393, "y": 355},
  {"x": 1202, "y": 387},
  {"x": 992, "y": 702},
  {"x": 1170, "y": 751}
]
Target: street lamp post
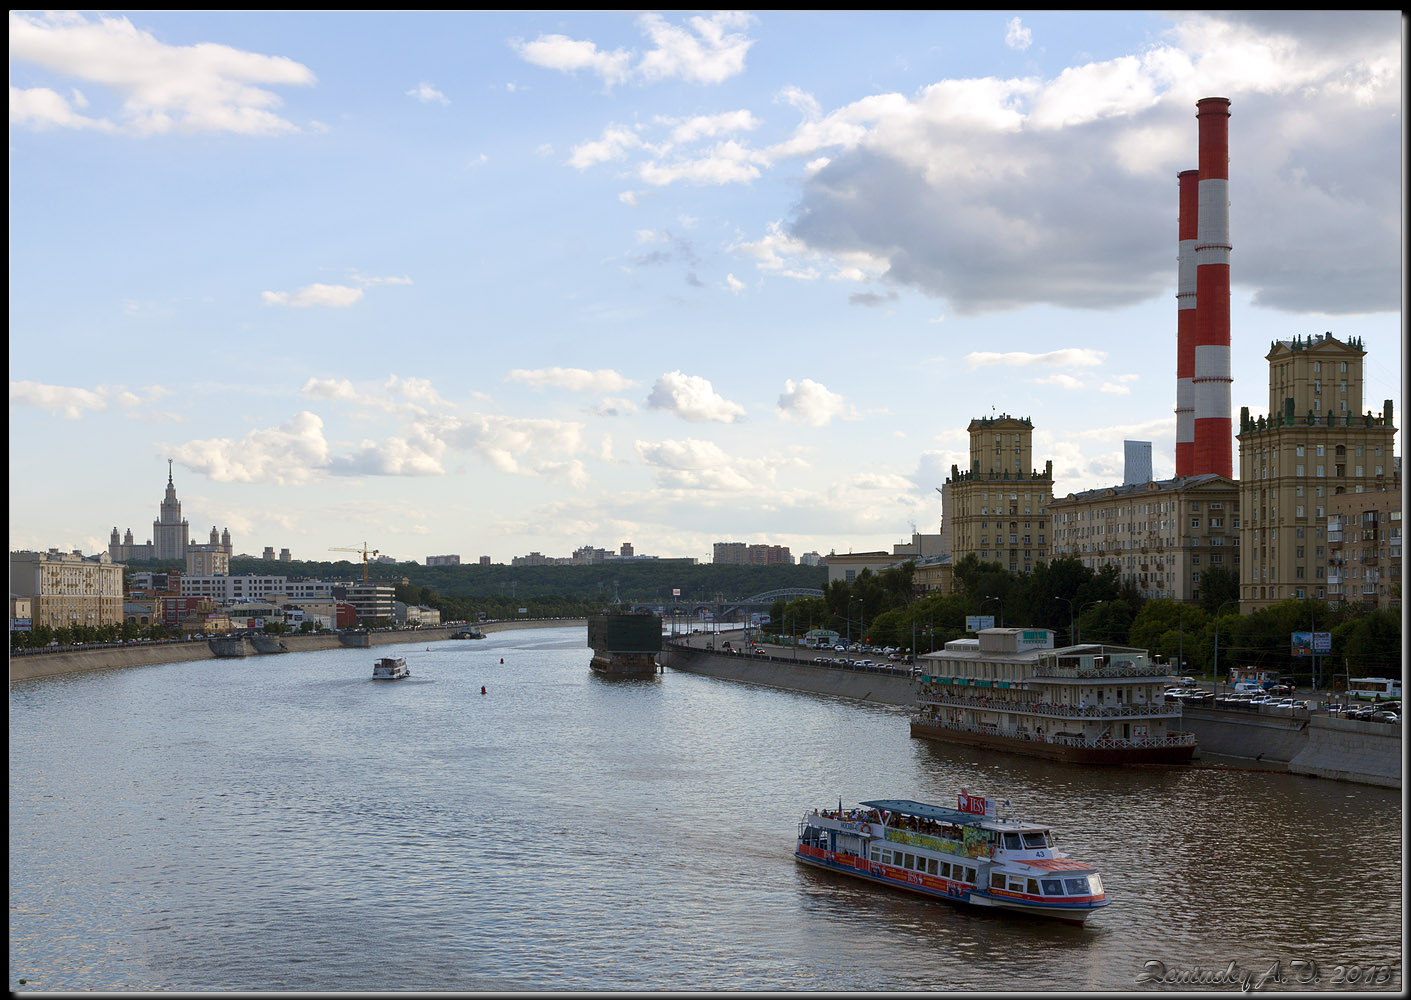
[
  {"x": 1069, "y": 601},
  {"x": 1215, "y": 665},
  {"x": 1081, "y": 609},
  {"x": 1001, "y": 608}
]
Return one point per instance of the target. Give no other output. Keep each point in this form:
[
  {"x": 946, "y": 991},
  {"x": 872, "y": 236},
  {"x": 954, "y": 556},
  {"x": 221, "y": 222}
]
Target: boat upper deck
[{"x": 955, "y": 817}]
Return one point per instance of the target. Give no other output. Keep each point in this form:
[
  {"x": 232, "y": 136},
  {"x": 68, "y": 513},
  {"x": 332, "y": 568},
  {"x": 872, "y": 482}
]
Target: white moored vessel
[
  {"x": 967, "y": 855},
  {"x": 390, "y": 668}
]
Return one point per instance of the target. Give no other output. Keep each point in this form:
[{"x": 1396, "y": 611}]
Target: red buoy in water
[{"x": 482, "y": 689}]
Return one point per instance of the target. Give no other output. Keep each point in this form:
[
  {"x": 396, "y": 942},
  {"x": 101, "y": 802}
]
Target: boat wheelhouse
[
  {"x": 965, "y": 855},
  {"x": 390, "y": 668},
  {"x": 1009, "y": 689}
]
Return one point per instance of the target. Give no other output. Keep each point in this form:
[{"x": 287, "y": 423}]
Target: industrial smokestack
[
  {"x": 1211, "y": 380},
  {"x": 1186, "y": 226}
]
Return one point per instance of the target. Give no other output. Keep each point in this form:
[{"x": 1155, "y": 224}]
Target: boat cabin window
[
  {"x": 1036, "y": 839},
  {"x": 1076, "y": 886},
  {"x": 1053, "y": 887},
  {"x": 931, "y": 866},
  {"x": 1012, "y": 842},
  {"x": 945, "y": 869},
  {"x": 970, "y": 875},
  {"x": 996, "y": 880},
  {"x": 1033, "y": 887}
]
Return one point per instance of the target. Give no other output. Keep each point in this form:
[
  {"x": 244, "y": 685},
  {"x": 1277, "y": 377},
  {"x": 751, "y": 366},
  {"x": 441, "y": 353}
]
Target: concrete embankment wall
[
  {"x": 1246, "y": 734},
  {"x": 782, "y": 672},
  {"x": 145, "y": 655},
  {"x": 1348, "y": 750},
  {"x": 1363, "y": 752}
]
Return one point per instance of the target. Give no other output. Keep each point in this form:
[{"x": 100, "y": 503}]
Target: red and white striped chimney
[
  {"x": 1211, "y": 380},
  {"x": 1185, "y": 322}
]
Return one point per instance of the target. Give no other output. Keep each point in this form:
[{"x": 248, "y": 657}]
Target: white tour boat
[
  {"x": 967, "y": 855},
  {"x": 390, "y": 668}
]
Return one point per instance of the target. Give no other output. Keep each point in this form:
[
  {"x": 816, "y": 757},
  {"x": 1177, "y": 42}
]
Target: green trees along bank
[{"x": 1081, "y": 604}]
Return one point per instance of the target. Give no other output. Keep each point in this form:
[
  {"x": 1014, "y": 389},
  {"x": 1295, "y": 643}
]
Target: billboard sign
[
  {"x": 1312, "y": 643},
  {"x": 21, "y": 624},
  {"x": 974, "y": 623}
]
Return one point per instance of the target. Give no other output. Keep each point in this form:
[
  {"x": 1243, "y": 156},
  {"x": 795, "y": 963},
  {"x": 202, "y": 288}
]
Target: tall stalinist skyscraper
[{"x": 170, "y": 534}]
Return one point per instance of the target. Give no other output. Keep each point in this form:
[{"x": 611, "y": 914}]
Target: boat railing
[
  {"x": 1083, "y": 673},
  {"x": 1175, "y": 739},
  {"x": 1053, "y": 710}
]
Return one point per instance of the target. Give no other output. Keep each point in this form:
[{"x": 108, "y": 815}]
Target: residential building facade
[
  {"x": 998, "y": 508},
  {"x": 68, "y": 589},
  {"x": 1364, "y": 547},
  {"x": 1315, "y": 444},
  {"x": 745, "y": 554},
  {"x": 1162, "y": 535}
]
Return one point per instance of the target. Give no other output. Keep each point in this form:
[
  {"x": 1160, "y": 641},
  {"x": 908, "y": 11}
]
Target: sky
[{"x": 489, "y": 284}]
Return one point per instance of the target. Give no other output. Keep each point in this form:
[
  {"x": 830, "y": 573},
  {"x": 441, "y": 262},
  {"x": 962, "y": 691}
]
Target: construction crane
[{"x": 365, "y": 553}]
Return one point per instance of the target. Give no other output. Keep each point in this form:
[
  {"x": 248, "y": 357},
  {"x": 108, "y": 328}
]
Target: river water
[{"x": 286, "y": 823}]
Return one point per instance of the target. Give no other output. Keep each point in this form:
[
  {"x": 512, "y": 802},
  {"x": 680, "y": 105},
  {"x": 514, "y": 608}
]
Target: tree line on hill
[
  {"x": 884, "y": 609},
  {"x": 461, "y": 593}
]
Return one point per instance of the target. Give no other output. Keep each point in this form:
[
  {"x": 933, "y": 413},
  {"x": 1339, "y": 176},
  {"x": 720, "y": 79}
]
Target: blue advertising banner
[{"x": 1312, "y": 643}]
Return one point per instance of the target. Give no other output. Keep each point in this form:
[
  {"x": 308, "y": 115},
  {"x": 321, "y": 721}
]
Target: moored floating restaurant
[{"x": 1010, "y": 689}]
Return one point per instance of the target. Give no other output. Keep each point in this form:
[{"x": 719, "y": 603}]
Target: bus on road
[{"x": 1373, "y": 688}]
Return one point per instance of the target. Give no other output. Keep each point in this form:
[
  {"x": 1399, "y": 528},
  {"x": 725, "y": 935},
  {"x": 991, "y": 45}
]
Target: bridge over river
[{"x": 722, "y": 610}]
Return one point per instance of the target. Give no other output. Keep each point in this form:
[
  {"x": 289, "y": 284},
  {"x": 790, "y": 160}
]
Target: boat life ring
[{"x": 866, "y": 829}]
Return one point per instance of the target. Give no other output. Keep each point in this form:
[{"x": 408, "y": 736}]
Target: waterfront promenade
[{"x": 71, "y": 660}]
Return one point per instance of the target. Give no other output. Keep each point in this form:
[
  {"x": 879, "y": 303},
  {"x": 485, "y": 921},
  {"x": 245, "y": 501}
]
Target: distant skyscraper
[{"x": 1137, "y": 467}]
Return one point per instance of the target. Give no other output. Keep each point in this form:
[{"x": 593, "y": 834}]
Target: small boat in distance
[
  {"x": 966, "y": 855},
  {"x": 469, "y": 633},
  {"x": 390, "y": 668}
]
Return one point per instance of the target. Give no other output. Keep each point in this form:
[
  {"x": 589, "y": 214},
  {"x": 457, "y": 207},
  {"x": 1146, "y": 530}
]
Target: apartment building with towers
[
  {"x": 1316, "y": 443},
  {"x": 998, "y": 507}
]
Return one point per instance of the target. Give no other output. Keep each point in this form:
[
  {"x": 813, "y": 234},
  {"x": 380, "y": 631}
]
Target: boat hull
[
  {"x": 859, "y": 868},
  {"x": 1177, "y": 754},
  {"x": 615, "y": 664}
]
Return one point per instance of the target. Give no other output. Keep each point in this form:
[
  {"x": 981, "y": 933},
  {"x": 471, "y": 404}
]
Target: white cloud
[
  {"x": 703, "y": 465},
  {"x": 426, "y": 93},
  {"x": 812, "y": 403},
  {"x": 1068, "y": 357},
  {"x": 159, "y": 88},
  {"x": 291, "y": 454},
  {"x": 567, "y": 55},
  {"x": 706, "y": 50},
  {"x": 69, "y": 401},
  {"x": 73, "y": 403},
  {"x": 574, "y": 379},
  {"x": 710, "y": 126},
  {"x": 734, "y": 284},
  {"x": 724, "y": 163},
  {"x": 417, "y": 396},
  {"x": 1068, "y": 179},
  {"x": 521, "y": 446},
  {"x": 614, "y": 143},
  {"x": 331, "y": 296},
  {"x": 706, "y": 53},
  {"x": 1016, "y": 36},
  {"x": 40, "y": 107},
  {"x": 1061, "y": 380},
  {"x": 692, "y": 398},
  {"x": 418, "y": 454}
]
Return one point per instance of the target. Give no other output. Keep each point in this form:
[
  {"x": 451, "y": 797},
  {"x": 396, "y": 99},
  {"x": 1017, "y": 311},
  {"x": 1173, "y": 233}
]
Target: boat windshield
[{"x": 1035, "y": 839}]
